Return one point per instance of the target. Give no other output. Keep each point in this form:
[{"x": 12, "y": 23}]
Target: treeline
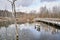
[
  {"x": 54, "y": 13},
  {"x": 44, "y": 13},
  {"x": 5, "y": 13},
  {"x": 23, "y": 17}
]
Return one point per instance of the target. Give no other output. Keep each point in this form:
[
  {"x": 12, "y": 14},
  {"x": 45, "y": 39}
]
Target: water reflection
[
  {"x": 26, "y": 32},
  {"x": 4, "y": 24}
]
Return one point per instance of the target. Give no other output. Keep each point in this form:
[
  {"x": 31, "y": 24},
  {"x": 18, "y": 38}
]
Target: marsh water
[{"x": 26, "y": 31}]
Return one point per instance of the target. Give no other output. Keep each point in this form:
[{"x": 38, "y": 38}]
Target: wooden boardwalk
[{"x": 54, "y": 22}]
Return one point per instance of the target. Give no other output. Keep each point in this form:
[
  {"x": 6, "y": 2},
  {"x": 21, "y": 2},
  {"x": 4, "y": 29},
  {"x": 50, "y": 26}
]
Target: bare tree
[{"x": 14, "y": 16}]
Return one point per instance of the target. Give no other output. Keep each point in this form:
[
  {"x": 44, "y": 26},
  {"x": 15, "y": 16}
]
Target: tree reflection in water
[
  {"x": 4, "y": 24},
  {"x": 26, "y": 32}
]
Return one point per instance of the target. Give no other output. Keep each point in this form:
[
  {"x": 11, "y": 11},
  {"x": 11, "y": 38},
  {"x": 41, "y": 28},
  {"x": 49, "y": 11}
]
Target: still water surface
[{"x": 26, "y": 32}]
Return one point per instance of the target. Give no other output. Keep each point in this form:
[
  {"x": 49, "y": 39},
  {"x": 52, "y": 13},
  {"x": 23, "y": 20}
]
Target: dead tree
[{"x": 14, "y": 16}]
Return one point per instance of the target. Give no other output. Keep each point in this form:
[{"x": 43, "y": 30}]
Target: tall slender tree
[{"x": 14, "y": 15}]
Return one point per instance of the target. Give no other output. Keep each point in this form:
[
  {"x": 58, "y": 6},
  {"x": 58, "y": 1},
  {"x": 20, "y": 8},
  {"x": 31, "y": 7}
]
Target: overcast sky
[{"x": 28, "y": 5}]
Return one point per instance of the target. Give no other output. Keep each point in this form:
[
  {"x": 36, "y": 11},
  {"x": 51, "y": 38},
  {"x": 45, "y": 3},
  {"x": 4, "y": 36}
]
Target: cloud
[
  {"x": 28, "y": 5},
  {"x": 48, "y": 0},
  {"x": 25, "y": 2}
]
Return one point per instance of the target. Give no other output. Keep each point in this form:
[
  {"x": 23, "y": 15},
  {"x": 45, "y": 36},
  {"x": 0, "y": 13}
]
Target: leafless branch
[
  {"x": 9, "y": 1},
  {"x": 14, "y": 0}
]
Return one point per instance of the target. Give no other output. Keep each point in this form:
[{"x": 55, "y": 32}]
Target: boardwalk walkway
[{"x": 49, "y": 21}]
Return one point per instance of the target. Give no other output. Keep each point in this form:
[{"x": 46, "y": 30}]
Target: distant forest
[{"x": 44, "y": 13}]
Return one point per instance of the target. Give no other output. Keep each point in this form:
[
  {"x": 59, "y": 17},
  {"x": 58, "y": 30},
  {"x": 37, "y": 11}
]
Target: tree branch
[{"x": 9, "y": 1}]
